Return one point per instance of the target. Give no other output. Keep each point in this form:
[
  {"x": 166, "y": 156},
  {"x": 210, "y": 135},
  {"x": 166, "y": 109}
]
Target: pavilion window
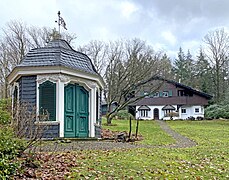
[{"x": 47, "y": 100}]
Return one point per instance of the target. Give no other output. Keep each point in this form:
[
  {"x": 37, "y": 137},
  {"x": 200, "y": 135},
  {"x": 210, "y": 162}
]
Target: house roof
[
  {"x": 200, "y": 98},
  {"x": 58, "y": 53},
  {"x": 177, "y": 84},
  {"x": 143, "y": 107},
  {"x": 168, "y": 107}
]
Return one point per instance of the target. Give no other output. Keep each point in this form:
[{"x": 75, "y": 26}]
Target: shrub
[
  {"x": 172, "y": 114},
  {"x": 5, "y": 115},
  {"x": 123, "y": 114},
  {"x": 5, "y": 104},
  {"x": 10, "y": 148},
  {"x": 191, "y": 118},
  {"x": 199, "y": 118},
  {"x": 217, "y": 111}
]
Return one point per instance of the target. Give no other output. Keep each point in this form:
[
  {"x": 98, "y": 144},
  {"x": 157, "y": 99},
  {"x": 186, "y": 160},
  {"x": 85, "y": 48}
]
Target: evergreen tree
[
  {"x": 179, "y": 66},
  {"x": 167, "y": 67},
  {"x": 203, "y": 73},
  {"x": 190, "y": 69},
  {"x": 183, "y": 68}
]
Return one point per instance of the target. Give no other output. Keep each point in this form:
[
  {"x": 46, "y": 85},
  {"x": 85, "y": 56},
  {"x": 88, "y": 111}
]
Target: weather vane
[{"x": 60, "y": 22}]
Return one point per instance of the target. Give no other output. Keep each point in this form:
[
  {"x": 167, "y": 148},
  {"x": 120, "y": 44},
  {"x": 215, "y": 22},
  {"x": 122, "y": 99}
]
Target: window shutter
[
  {"x": 170, "y": 93},
  {"x": 47, "y": 99},
  {"x": 161, "y": 94}
]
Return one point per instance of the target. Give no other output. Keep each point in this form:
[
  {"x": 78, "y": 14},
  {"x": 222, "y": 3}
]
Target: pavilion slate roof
[{"x": 58, "y": 53}]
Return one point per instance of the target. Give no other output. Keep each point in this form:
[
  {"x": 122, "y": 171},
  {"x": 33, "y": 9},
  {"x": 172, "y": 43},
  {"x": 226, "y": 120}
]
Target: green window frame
[
  {"x": 170, "y": 93},
  {"x": 47, "y": 100}
]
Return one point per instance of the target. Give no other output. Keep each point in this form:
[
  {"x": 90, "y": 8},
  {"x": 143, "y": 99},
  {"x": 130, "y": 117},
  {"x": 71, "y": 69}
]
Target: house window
[
  {"x": 146, "y": 94},
  {"x": 197, "y": 110},
  {"x": 182, "y": 93},
  {"x": 47, "y": 100},
  {"x": 183, "y": 111},
  {"x": 165, "y": 94},
  {"x": 156, "y": 94},
  {"x": 144, "y": 113}
]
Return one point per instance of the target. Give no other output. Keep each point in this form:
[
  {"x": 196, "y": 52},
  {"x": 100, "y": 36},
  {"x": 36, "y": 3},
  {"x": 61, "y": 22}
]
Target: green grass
[
  {"x": 208, "y": 160},
  {"x": 150, "y": 130}
]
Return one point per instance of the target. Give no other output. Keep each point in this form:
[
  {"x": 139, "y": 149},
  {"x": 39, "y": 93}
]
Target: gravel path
[{"x": 181, "y": 142}]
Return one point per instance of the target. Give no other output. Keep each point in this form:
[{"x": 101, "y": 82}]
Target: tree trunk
[{"x": 109, "y": 118}]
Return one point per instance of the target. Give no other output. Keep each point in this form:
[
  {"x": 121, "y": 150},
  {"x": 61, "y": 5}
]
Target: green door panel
[
  {"x": 69, "y": 113},
  {"x": 82, "y": 105},
  {"x": 76, "y": 111}
]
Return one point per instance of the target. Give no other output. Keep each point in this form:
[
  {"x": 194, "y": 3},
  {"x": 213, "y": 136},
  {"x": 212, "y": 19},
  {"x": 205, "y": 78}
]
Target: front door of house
[
  {"x": 156, "y": 113},
  {"x": 75, "y": 111}
]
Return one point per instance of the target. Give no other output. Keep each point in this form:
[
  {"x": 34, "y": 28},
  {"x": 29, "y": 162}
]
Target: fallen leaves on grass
[
  {"x": 113, "y": 135},
  {"x": 51, "y": 166}
]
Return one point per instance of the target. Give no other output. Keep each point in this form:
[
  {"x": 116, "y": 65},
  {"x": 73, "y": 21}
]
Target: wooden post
[
  {"x": 130, "y": 128},
  {"x": 136, "y": 134}
]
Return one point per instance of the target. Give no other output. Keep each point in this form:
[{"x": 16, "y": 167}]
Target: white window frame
[
  {"x": 156, "y": 94},
  {"x": 144, "y": 113},
  {"x": 197, "y": 109},
  {"x": 165, "y": 94}
]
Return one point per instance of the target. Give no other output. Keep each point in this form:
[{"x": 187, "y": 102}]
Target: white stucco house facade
[{"x": 172, "y": 101}]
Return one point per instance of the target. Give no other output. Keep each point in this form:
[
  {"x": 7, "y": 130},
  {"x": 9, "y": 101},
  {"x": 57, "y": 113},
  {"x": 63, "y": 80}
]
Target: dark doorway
[{"x": 156, "y": 114}]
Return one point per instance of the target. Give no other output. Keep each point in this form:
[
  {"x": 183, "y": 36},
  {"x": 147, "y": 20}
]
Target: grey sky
[{"x": 165, "y": 24}]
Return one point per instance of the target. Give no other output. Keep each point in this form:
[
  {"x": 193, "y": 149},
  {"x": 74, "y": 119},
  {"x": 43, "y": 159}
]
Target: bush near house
[
  {"x": 217, "y": 111},
  {"x": 123, "y": 114}
]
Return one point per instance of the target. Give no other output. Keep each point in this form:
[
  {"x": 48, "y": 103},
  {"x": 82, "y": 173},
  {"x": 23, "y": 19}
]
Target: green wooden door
[
  {"x": 69, "y": 111},
  {"x": 82, "y": 112},
  {"x": 76, "y": 111}
]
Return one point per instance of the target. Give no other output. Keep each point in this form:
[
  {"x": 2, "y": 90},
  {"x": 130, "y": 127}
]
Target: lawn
[
  {"x": 150, "y": 130},
  {"x": 208, "y": 160}
]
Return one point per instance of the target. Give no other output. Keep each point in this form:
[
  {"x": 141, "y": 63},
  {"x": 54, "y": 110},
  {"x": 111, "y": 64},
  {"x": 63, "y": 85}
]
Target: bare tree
[
  {"x": 217, "y": 53},
  {"x": 25, "y": 125},
  {"x": 17, "y": 44},
  {"x": 4, "y": 70},
  {"x": 131, "y": 65},
  {"x": 97, "y": 51},
  {"x": 17, "y": 40}
]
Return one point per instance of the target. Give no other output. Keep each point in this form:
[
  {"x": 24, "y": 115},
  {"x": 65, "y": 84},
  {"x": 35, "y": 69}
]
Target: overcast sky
[{"x": 165, "y": 24}]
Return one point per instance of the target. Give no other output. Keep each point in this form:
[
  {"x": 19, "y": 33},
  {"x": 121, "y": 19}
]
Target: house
[
  {"x": 173, "y": 100},
  {"x": 64, "y": 82},
  {"x": 104, "y": 107}
]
